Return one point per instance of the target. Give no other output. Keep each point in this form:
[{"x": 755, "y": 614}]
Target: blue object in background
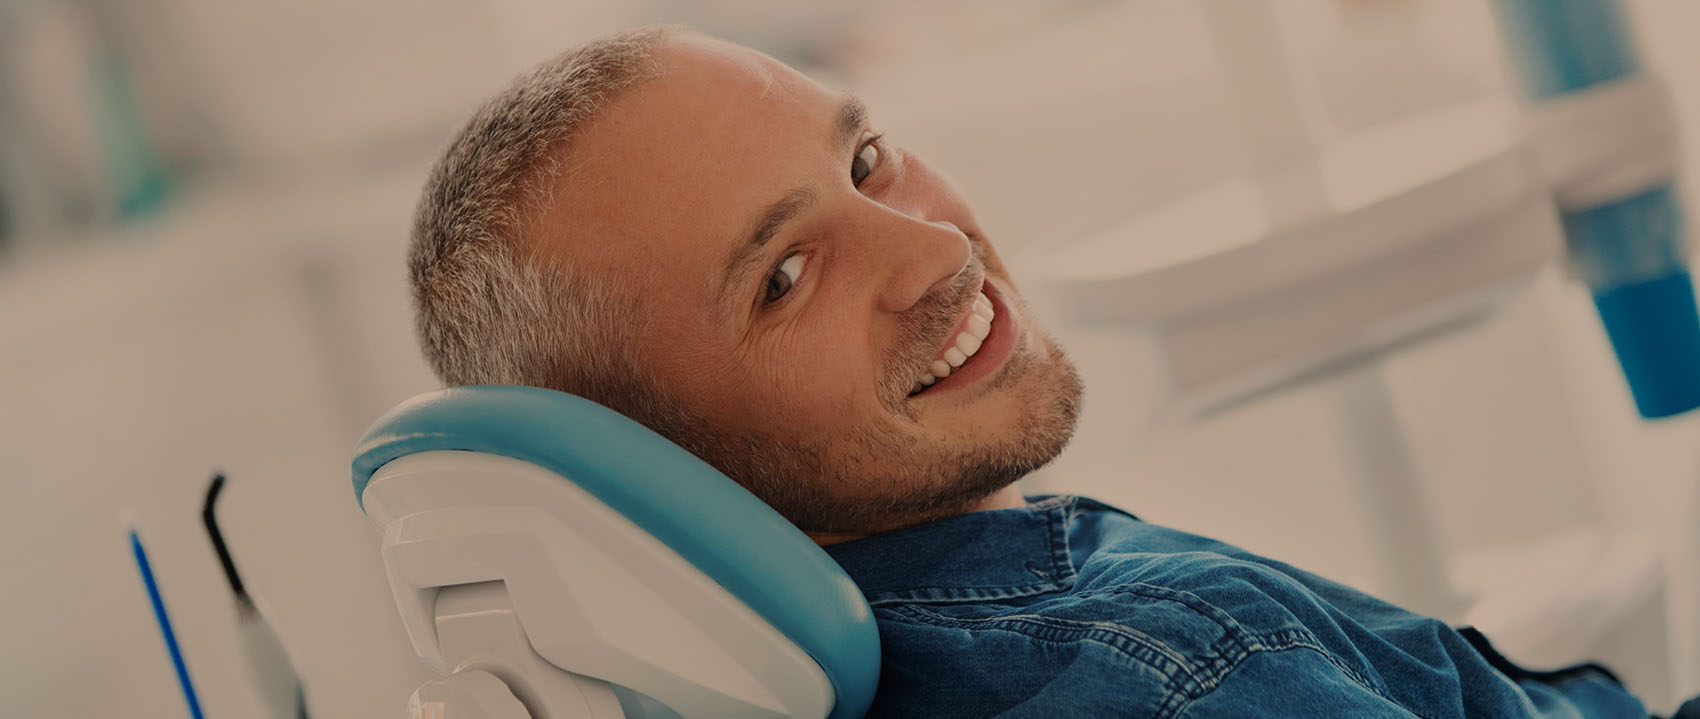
[
  {"x": 1652, "y": 329},
  {"x": 164, "y": 621},
  {"x": 1630, "y": 250},
  {"x": 137, "y": 175},
  {"x": 1562, "y": 46}
]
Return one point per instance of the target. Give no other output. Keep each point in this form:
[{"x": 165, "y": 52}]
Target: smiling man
[
  {"x": 818, "y": 303},
  {"x": 698, "y": 236},
  {"x": 733, "y": 256}
]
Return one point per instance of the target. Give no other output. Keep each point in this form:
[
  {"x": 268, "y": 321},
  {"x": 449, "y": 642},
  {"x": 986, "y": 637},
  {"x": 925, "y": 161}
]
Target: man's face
[{"x": 800, "y": 278}]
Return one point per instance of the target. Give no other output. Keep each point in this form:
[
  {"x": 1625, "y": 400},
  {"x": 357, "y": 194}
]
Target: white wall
[{"x": 137, "y": 367}]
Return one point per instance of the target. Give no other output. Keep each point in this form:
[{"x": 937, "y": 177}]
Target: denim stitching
[
  {"x": 1130, "y": 643},
  {"x": 959, "y": 595},
  {"x": 1245, "y": 642},
  {"x": 1059, "y": 518},
  {"x": 1167, "y": 594},
  {"x": 1301, "y": 639},
  {"x": 1175, "y": 704},
  {"x": 1060, "y": 577},
  {"x": 1186, "y": 680}
]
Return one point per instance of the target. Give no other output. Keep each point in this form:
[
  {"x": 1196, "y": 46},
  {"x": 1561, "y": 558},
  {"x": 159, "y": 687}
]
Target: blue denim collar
[{"x": 979, "y": 556}]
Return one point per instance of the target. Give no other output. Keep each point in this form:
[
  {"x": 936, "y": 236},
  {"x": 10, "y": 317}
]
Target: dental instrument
[
  {"x": 163, "y": 619},
  {"x": 270, "y": 672}
]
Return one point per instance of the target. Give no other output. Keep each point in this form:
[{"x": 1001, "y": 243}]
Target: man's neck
[{"x": 1006, "y": 498}]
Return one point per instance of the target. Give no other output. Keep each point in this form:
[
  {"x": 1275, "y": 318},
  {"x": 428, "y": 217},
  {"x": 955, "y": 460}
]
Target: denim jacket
[{"x": 1071, "y": 608}]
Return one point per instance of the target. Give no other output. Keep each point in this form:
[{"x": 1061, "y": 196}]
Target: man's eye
[
  {"x": 864, "y": 163},
  {"x": 780, "y": 282}
]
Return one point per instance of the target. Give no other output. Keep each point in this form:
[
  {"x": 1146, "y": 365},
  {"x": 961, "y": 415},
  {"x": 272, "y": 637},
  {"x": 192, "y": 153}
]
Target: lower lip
[{"x": 993, "y": 352}]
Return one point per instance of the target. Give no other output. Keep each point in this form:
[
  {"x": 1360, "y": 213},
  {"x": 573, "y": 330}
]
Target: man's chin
[
  {"x": 1047, "y": 394},
  {"x": 1048, "y": 415},
  {"x": 882, "y": 479},
  {"x": 1050, "y": 410}
]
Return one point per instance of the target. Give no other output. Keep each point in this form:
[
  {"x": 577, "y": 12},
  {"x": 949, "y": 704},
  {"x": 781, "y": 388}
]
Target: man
[{"x": 700, "y": 237}]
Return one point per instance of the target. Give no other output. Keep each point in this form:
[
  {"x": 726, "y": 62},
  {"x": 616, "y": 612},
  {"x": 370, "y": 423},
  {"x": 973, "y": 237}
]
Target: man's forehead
[
  {"x": 678, "y": 163},
  {"x": 708, "y": 92},
  {"x": 694, "y": 57}
]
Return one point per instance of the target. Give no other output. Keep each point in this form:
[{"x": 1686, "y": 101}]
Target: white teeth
[
  {"x": 969, "y": 344},
  {"x": 964, "y": 345},
  {"x": 979, "y": 326}
]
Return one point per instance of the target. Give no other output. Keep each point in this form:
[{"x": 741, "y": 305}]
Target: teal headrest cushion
[{"x": 711, "y": 521}]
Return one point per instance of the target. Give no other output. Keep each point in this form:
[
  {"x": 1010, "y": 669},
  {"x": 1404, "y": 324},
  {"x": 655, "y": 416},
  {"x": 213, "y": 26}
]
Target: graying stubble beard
[
  {"x": 920, "y": 486},
  {"x": 795, "y": 479}
]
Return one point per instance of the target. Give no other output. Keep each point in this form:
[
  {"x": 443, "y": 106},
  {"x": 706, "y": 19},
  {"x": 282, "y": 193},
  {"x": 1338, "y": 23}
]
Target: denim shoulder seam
[
  {"x": 1172, "y": 709},
  {"x": 1186, "y": 679},
  {"x": 1237, "y": 643},
  {"x": 1130, "y": 643},
  {"x": 961, "y": 595}
]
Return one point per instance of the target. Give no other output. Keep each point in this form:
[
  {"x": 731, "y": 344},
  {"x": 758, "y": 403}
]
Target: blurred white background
[{"x": 204, "y": 208}]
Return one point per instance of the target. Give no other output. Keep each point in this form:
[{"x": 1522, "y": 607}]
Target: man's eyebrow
[{"x": 852, "y": 117}]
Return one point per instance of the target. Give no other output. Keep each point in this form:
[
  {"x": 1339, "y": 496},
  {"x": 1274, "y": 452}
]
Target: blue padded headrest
[{"x": 713, "y": 523}]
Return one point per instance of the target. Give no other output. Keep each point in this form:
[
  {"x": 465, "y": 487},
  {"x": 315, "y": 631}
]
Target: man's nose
[{"x": 915, "y": 258}]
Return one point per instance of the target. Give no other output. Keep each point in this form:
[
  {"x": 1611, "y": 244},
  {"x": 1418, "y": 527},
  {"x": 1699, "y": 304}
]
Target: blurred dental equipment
[
  {"x": 74, "y": 147},
  {"x": 163, "y": 619},
  {"x": 1605, "y": 134},
  {"x": 1339, "y": 253},
  {"x": 269, "y": 669},
  {"x": 1330, "y": 249}
]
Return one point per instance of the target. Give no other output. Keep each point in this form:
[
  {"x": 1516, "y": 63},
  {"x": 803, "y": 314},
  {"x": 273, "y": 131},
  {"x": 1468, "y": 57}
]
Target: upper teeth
[{"x": 964, "y": 344}]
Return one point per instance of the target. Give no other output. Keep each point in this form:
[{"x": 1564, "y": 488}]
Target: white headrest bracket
[{"x": 580, "y": 587}]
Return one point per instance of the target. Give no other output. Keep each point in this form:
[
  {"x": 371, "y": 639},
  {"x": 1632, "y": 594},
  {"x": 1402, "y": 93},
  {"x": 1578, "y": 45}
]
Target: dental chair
[{"x": 553, "y": 559}]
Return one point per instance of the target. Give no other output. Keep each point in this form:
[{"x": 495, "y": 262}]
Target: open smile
[{"x": 976, "y": 348}]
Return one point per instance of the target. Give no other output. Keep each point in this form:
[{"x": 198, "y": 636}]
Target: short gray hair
[{"x": 489, "y": 312}]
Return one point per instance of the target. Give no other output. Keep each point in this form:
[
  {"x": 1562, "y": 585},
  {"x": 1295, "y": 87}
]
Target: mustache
[{"x": 923, "y": 329}]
